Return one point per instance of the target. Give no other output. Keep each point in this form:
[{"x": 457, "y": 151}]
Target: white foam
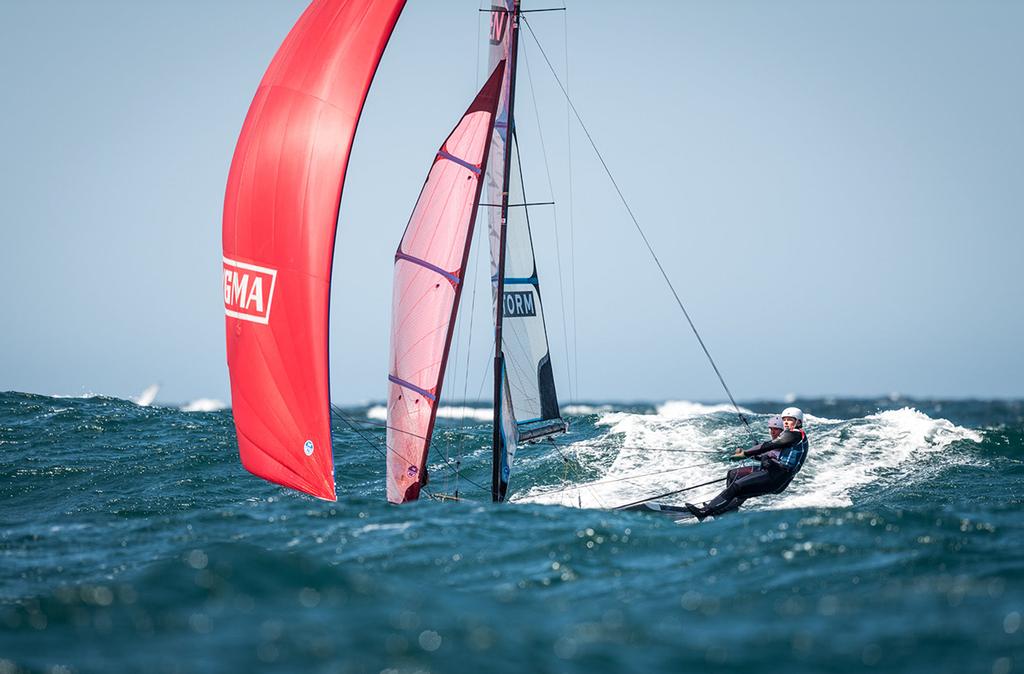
[
  {"x": 380, "y": 413},
  {"x": 684, "y": 409},
  {"x": 580, "y": 410},
  {"x": 845, "y": 455},
  {"x": 477, "y": 413},
  {"x": 204, "y": 405},
  {"x": 645, "y": 454},
  {"x": 396, "y": 527},
  {"x": 810, "y": 419}
]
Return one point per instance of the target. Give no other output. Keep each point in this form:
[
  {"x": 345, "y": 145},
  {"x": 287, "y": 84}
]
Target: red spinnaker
[
  {"x": 280, "y": 216},
  {"x": 430, "y": 267}
]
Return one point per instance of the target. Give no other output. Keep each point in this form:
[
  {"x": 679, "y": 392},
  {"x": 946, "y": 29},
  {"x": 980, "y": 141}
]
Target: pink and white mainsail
[
  {"x": 429, "y": 269},
  {"x": 280, "y": 216}
]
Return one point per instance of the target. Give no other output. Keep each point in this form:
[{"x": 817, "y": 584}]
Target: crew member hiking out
[
  {"x": 775, "y": 428},
  {"x": 781, "y": 458}
]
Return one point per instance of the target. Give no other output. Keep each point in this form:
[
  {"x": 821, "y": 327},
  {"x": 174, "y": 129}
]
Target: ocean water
[{"x": 131, "y": 540}]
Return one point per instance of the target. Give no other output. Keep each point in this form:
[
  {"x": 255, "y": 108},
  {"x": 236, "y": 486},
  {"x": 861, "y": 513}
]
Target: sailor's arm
[{"x": 785, "y": 439}]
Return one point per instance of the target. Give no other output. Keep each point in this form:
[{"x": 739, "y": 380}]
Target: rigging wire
[
  {"x": 569, "y": 468},
  {"x": 681, "y": 450},
  {"x": 383, "y": 451},
  {"x": 551, "y": 191},
  {"x": 382, "y": 426},
  {"x": 670, "y": 493},
  {"x": 472, "y": 482},
  {"x": 335, "y": 410},
  {"x": 572, "y": 227},
  {"x": 643, "y": 236},
  {"x": 474, "y": 273},
  {"x": 452, "y": 375},
  {"x": 626, "y": 478},
  {"x": 476, "y": 41}
]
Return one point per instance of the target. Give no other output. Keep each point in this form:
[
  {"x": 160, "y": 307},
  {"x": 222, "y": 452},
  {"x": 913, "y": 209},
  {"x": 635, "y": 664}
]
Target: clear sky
[{"x": 835, "y": 189}]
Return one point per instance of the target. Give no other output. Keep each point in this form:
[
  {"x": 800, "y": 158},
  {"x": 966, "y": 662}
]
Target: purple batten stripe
[
  {"x": 460, "y": 162},
  {"x": 432, "y": 267},
  {"x": 411, "y": 387}
]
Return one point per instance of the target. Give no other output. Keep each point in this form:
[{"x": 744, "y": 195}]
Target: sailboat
[
  {"x": 476, "y": 170},
  {"x": 281, "y": 209}
]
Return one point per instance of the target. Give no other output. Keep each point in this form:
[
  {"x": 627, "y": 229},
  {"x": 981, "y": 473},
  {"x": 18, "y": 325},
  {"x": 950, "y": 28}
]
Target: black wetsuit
[{"x": 772, "y": 477}]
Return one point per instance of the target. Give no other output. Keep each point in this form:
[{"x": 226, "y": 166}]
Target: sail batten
[
  {"x": 461, "y": 162},
  {"x": 429, "y": 265},
  {"x": 412, "y": 387},
  {"x": 426, "y": 265}
]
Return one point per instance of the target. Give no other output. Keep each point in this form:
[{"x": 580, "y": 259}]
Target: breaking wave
[
  {"x": 204, "y": 405},
  {"x": 684, "y": 409},
  {"x": 684, "y": 444},
  {"x": 380, "y": 412},
  {"x": 581, "y": 410}
]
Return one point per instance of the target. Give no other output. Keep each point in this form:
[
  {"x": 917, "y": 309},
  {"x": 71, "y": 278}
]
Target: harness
[{"x": 792, "y": 458}]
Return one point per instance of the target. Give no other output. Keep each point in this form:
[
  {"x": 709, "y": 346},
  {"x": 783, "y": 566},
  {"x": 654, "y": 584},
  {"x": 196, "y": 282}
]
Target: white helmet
[
  {"x": 775, "y": 422},
  {"x": 793, "y": 412}
]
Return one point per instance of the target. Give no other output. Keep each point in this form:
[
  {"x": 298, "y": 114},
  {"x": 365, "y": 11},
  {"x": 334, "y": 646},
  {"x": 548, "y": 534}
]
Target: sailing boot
[
  {"x": 721, "y": 504},
  {"x": 696, "y": 511}
]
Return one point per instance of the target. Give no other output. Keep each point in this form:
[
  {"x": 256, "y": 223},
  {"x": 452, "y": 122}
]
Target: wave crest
[
  {"x": 687, "y": 443},
  {"x": 204, "y": 405},
  {"x": 380, "y": 412}
]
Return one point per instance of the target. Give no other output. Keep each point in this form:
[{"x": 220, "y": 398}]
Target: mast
[{"x": 499, "y": 358}]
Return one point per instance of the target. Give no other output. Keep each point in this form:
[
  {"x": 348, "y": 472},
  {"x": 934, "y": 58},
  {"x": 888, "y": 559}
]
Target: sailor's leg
[
  {"x": 752, "y": 482},
  {"x": 733, "y": 504},
  {"x": 720, "y": 503},
  {"x": 737, "y": 473},
  {"x": 755, "y": 484}
]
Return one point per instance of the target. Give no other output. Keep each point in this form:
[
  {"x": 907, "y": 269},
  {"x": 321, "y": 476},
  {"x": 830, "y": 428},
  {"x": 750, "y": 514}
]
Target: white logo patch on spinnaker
[{"x": 248, "y": 291}]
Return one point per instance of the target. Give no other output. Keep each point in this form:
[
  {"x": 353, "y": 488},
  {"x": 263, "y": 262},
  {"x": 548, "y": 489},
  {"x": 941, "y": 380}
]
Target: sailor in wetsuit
[
  {"x": 780, "y": 458},
  {"x": 775, "y": 427}
]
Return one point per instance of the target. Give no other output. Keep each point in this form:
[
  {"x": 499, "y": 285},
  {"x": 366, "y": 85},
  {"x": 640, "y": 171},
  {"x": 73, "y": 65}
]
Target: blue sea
[{"x": 132, "y": 540}]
